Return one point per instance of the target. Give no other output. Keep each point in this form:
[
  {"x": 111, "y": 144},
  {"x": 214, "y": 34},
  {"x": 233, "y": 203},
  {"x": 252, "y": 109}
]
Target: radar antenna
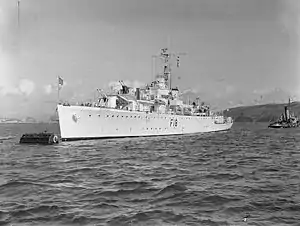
[{"x": 166, "y": 57}]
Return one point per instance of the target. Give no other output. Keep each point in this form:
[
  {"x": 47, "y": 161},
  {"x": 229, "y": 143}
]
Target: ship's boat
[{"x": 153, "y": 110}]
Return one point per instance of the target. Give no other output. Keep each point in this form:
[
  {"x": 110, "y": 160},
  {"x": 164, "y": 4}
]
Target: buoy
[{"x": 39, "y": 138}]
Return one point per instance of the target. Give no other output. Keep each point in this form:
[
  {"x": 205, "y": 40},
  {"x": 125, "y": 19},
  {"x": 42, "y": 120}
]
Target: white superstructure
[{"x": 150, "y": 111}]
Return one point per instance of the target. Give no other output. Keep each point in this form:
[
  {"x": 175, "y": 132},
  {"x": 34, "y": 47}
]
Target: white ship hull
[{"x": 80, "y": 122}]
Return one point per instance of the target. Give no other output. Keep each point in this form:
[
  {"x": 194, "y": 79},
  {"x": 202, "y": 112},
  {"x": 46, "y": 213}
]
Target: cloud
[
  {"x": 6, "y": 91},
  {"x": 270, "y": 95},
  {"x": 24, "y": 87},
  {"x": 261, "y": 91}
]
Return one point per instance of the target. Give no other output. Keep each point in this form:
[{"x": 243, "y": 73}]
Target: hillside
[{"x": 260, "y": 113}]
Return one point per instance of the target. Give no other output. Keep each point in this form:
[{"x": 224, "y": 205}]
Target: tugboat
[{"x": 286, "y": 119}]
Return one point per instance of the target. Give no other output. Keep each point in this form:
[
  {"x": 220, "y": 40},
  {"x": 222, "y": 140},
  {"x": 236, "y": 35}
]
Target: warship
[
  {"x": 156, "y": 109},
  {"x": 287, "y": 119}
]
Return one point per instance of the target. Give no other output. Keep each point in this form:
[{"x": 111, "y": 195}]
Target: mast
[
  {"x": 166, "y": 57},
  {"x": 169, "y": 74}
]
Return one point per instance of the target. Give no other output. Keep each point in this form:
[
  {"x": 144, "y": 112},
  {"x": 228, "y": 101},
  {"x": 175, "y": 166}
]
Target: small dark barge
[{"x": 40, "y": 138}]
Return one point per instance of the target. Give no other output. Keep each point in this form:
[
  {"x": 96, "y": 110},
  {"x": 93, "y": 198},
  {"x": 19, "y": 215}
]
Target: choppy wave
[
  {"x": 6, "y": 137},
  {"x": 206, "y": 179}
]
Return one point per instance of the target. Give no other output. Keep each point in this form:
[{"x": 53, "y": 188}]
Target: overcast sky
[{"x": 237, "y": 50}]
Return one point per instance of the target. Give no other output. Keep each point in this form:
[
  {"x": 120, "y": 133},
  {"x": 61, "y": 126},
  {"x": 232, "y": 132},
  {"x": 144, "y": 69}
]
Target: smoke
[{"x": 115, "y": 85}]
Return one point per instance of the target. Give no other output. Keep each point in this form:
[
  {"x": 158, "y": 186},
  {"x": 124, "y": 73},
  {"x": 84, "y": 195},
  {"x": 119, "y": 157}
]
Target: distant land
[
  {"x": 52, "y": 119},
  {"x": 260, "y": 113},
  {"x": 255, "y": 113}
]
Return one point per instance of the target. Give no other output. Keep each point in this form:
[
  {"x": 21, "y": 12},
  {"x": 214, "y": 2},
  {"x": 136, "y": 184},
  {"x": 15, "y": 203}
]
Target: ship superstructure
[{"x": 153, "y": 110}]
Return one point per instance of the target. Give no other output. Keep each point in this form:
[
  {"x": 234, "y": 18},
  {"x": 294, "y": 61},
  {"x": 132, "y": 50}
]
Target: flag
[
  {"x": 178, "y": 62},
  {"x": 60, "y": 82}
]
